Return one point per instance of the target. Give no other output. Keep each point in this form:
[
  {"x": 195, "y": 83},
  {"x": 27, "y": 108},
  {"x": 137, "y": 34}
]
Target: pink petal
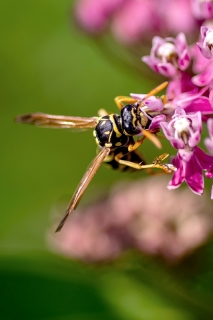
[
  {"x": 166, "y": 130},
  {"x": 194, "y": 177},
  {"x": 154, "y": 104},
  {"x": 179, "y": 174},
  {"x": 203, "y": 78},
  {"x": 204, "y": 51},
  {"x": 203, "y": 31},
  {"x": 205, "y": 160},
  {"x": 184, "y": 60},
  {"x": 157, "y": 121},
  {"x": 194, "y": 139},
  {"x": 210, "y": 127},
  {"x": 198, "y": 104},
  {"x": 151, "y": 62},
  {"x": 166, "y": 69},
  {"x": 209, "y": 144},
  {"x": 181, "y": 42}
]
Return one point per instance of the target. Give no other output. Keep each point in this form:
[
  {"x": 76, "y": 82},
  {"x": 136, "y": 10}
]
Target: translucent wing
[
  {"x": 94, "y": 166},
  {"x": 54, "y": 121}
]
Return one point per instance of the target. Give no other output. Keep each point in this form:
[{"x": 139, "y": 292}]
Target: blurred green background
[{"x": 48, "y": 65}]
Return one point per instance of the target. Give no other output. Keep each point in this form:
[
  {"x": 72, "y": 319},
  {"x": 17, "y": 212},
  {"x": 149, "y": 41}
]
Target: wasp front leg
[
  {"x": 146, "y": 134},
  {"x": 121, "y": 100},
  {"x": 167, "y": 168}
]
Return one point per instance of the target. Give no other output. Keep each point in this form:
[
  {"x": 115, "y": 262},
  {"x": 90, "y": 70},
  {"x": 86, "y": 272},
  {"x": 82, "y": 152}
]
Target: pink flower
[
  {"x": 184, "y": 132},
  {"x": 169, "y": 55}
]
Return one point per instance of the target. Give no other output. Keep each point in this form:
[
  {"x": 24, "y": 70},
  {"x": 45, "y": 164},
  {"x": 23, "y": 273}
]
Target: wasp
[{"x": 114, "y": 135}]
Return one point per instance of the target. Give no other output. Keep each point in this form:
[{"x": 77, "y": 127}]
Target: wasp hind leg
[{"x": 157, "y": 163}]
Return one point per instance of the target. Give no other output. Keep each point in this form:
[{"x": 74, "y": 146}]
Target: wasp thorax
[
  {"x": 131, "y": 120},
  {"x": 108, "y": 132}
]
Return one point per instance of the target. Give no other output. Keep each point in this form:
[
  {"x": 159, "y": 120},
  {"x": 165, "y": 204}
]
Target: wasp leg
[
  {"x": 168, "y": 168},
  {"x": 120, "y": 100},
  {"x": 137, "y": 144},
  {"x": 147, "y": 134}
]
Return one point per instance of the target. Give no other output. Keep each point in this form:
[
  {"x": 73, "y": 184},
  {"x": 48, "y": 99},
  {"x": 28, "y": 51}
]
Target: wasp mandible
[{"x": 114, "y": 136}]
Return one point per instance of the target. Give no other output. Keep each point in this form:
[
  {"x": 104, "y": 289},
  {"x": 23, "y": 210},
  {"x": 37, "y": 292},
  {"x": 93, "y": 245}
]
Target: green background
[{"x": 47, "y": 65}]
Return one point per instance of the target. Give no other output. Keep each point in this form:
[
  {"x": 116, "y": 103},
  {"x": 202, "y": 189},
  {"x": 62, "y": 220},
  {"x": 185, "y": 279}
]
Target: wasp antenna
[{"x": 154, "y": 91}]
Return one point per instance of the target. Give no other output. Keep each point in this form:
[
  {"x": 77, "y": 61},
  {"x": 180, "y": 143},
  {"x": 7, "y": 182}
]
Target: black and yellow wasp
[{"x": 114, "y": 136}]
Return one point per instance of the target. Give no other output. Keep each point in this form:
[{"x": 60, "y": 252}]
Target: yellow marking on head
[
  {"x": 118, "y": 144},
  {"x": 134, "y": 117},
  {"x": 107, "y": 132},
  {"x": 144, "y": 119},
  {"x": 94, "y": 133}
]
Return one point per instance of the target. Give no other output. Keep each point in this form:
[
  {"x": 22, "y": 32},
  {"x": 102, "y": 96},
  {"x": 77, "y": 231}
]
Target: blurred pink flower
[
  {"x": 202, "y": 9},
  {"x": 89, "y": 235},
  {"x": 164, "y": 223},
  {"x": 142, "y": 215},
  {"x": 93, "y": 15},
  {"x": 133, "y": 20}
]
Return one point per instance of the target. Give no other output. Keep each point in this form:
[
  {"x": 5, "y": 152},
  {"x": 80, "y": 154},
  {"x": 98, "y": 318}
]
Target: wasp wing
[
  {"x": 94, "y": 166},
  {"x": 55, "y": 121}
]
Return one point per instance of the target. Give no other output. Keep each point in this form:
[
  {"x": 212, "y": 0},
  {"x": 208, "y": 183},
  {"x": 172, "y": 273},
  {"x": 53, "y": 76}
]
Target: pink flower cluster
[
  {"x": 189, "y": 104},
  {"x": 171, "y": 227}
]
